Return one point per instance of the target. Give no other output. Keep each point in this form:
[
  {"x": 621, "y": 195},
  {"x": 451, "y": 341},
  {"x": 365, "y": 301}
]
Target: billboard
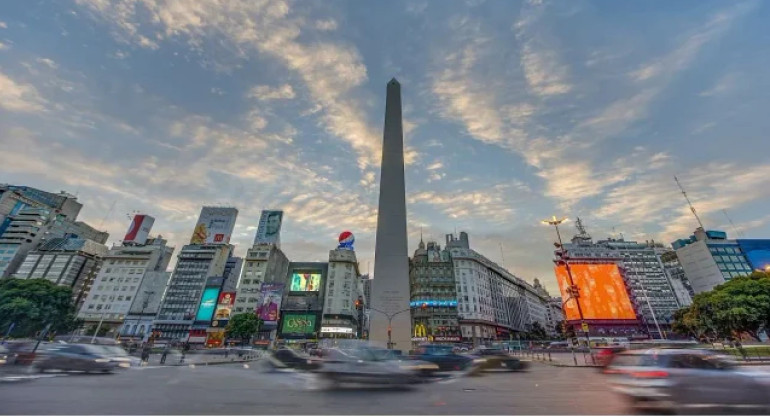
[
  {"x": 305, "y": 282},
  {"x": 224, "y": 307},
  {"x": 346, "y": 240},
  {"x": 270, "y": 302},
  {"x": 215, "y": 226},
  {"x": 298, "y": 323},
  {"x": 603, "y": 293},
  {"x": 139, "y": 229},
  {"x": 269, "y": 229},
  {"x": 208, "y": 304}
]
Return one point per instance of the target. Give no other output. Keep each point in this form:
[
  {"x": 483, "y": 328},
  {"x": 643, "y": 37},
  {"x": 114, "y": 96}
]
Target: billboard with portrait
[
  {"x": 269, "y": 229},
  {"x": 298, "y": 323},
  {"x": 603, "y": 293},
  {"x": 269, "y": 302},
  {"x": 224, "y": 306},
  {"x": 305, "y": 282},
  {"x": 208, "y": 304},
  {"x": 215, "y": 226}
]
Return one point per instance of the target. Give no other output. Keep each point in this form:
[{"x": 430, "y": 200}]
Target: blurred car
[
  {"x": 603, "y": 355},
  {"x": 363, "y": 366},
  {"x": 288, "y": 358},
  {"x": 688, "y": 380},
  {"x": 4, "y": 355},
  {"x": 423, "y": 368},
  {"x": 75, "y": 357},
  {"x": 499, "y": 359},
  {"x": 446, "y": 359}
]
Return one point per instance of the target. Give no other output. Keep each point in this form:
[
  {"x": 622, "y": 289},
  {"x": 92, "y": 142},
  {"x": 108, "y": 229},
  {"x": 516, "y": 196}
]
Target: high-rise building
[
  {"x": 205, "y": 327},
  {"x": 303, "y": 302},
  {"x": 344, "y": 288},
  {"x": 555, "y": 317},
  {"x": 390, "y": 321},
  {"x": 263, "y": 263},
  {"x": 14, "y": 198},
  {"x": 30, "y": 227},
  {"x": 70, "y": 262},
  {"x": 131, "y": 275},
  {"x": 195, "y": 264},
  {"x": 709, "y": 258},
  {"x": 642, "y": 270},
  {"x": 676, "y": 277},
  {"x": 492, "y": 303},
  {"x": 433, "y": 295}
]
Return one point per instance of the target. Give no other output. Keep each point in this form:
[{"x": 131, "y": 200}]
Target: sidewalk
[{"x": 174, "y": 358}]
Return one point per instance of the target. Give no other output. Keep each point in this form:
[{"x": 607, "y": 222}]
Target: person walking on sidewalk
[{"x": 165, "y": 353}]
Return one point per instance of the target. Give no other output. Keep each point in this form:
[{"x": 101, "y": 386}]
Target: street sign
[{"x": 585, "y": 327}]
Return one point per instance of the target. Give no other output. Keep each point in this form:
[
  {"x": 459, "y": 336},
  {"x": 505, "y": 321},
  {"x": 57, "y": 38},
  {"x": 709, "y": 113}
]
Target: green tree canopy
[
  {"x": 740, "y": 306},
  {"x": 31, "y": 304},
  {"x": 243, "y": 326}
]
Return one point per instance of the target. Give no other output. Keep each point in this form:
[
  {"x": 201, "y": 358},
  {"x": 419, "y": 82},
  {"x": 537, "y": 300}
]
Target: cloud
[
  {"x": 326, "y": 25},
  {"x": 47, "y": 62},
  {"x": 490, "y": 205},
  {"x": 435, "y": 165},
  {"x": 3, "y": 46},
  {"x": 19, "y": 97},
  {"x": 329, "y": 70},
  {"x": 265, "y": 92},
  {"x": 3, "y": 25},
  {"x": 724, "y": 85},
  {"x": 544, "y": 72}
]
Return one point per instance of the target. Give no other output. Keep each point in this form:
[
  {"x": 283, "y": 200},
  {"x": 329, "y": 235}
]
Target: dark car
[
  {"x": 74, "y": 357},
  {"x": 288, "y": 358},
  {"x": 688, "y": 380},
  {"x": 445, "y": 358},
  {"x": 499, "y": 359}
]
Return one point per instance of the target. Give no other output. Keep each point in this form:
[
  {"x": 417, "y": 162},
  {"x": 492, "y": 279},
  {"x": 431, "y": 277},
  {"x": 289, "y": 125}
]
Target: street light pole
[
  {"x": 573, "y": 291},
  {"x": 390, "y": 320}
]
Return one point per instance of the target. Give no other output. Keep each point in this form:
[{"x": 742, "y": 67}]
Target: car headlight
[
  {"x": 102, "y": 360},
  {"x": 124, "y": 365},
  {"x": 479, "y": 360}
]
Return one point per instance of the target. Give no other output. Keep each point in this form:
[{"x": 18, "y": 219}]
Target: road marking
[{"x": 30, "y": 377}]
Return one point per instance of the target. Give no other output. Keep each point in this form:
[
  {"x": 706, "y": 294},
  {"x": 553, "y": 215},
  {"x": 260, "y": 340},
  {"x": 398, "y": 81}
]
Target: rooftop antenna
[
  {"x": 106, "y": 216},
  {"x": 735, "y": 229},
  {"x": 502, "y": 256},
  {"x": 692, "y": 208},
  {"x": 582, "y": 233}
]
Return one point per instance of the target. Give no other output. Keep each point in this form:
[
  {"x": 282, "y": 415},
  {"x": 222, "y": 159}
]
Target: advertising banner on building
[
  {"x": 298, "y": 323},
  {"x": 215, "y": 226},
  {"x": 270, "y": 302},
  {"x": 208, "y": 304},
  {"x": 139, "y": 229},
  {"x": 269, "y": 229},
  {"x": 224, "y": 309},
  {"x": 305, "y": 282},
  {"x": 603, "y": 293}
]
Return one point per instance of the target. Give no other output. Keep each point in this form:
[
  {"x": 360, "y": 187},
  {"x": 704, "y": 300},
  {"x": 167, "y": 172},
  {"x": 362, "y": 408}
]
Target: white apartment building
[
  {"x": 343, "y": 288},
  {"x": 117, "y": 286},
  {"x": 263, "y": 263}
]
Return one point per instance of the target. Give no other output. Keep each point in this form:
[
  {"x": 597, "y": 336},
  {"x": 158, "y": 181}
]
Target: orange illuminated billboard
[{"x": 603, "y": 294}]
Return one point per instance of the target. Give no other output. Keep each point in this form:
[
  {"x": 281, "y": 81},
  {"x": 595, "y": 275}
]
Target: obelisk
[{"x": 390, "y": 287}]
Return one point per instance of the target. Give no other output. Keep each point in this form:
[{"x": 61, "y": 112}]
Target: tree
[
  {"x": 243, "y": 326},
  {"x": 31, "y": 304},
  {"x": 559, "y": 329},
  {"x": 740, "y": 306},
  {"x": 536, "y": 332}
]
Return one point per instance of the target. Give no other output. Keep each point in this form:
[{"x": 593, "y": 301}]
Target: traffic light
[{"x": 358, "y": 304}]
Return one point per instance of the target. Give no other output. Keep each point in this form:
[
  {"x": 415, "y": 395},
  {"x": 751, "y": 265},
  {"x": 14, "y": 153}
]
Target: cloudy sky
[{"x": 513, "y": 112}]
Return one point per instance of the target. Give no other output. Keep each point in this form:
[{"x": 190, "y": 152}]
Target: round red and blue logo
[{"x": 346, "y": 240}]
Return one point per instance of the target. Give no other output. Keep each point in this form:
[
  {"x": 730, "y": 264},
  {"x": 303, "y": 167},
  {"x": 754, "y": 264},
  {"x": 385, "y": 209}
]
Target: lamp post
[
  {"x": 573, "y": 290},
  {"x": 390, "y": 320}
]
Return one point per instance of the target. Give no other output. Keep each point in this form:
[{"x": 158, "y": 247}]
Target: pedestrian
[
  {"x": 227, "y": 352},
  {"x": 165, "y": 353},
  {"x": 146, "y": 354}
]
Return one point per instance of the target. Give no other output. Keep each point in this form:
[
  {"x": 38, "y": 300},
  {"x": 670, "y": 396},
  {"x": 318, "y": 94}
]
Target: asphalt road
[{"x": 238, "y": 389}]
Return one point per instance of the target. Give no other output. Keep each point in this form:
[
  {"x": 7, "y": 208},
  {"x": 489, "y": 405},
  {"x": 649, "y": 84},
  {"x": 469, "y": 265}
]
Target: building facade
[
  {"x": 433, "y": 297},
  {"x": 493, "y": 304},
  {"x": 195, "y": 264},
  {"x": 263, "y": 263},
  {"x": 70, "y": 262},
  {"x": 14, "y": 198},
  {"x": 119, "y": 284},
  {"x": 676, "y": 277},
  {"x": 30, "y": 227},
  {"x": 709, "y": 258},
  {"x": 646, "y": 280},
  {"x": 344, "y": 288},
  {"x": 303, "y": 301}
]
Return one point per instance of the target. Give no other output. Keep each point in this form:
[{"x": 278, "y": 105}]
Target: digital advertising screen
[
  {"x": 603, "y": 293},
  {"x": 208, "y": 304},
  {"x": 225, "y": 305},
  {"x": 298, "y": 323},
  {"x": 305, "y": 282}
]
